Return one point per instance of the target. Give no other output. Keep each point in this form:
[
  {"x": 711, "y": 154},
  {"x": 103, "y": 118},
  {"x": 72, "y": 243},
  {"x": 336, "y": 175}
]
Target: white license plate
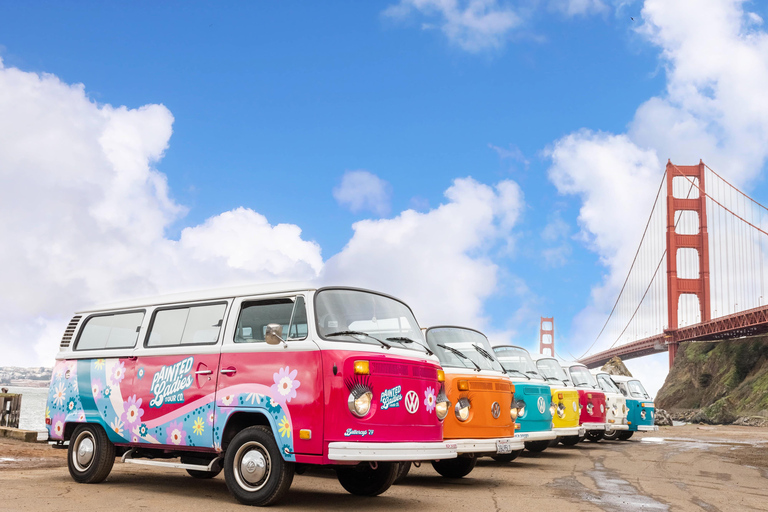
[{"x": 503, "y": 447}]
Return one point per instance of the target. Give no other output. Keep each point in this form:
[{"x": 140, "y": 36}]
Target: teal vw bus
[{"x": 642, "y": 411}]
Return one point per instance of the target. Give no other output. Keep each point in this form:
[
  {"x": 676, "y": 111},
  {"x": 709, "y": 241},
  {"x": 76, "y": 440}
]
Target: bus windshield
[
  {"x": 517, "y": 362},
  {"x": 581, "y": 377},
  {"x": 462, "y": 348},
  {"x": 365, "y": 317},
  {"x": 637, "y": 390},
  {"x": 551, "y": 370}
]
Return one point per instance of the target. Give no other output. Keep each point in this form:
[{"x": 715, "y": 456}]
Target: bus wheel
[
  {"x": 507, "y": 457},
  {"x": 536, "y": 446},
  {"x": 91, "y": 454},
  {"x": 254, "y": 469},
  {"x": 367, "y": 480},
  {"x": 595, "y": 436},
  {"x": 612, "y": 436},
  {"x": 570, "y": 440},
  {"x": 624, "y": 436},
  {"x": 455, "y": 468},
  {"x": 402, "y": 472},
  {"x": 203, "y": 474}
]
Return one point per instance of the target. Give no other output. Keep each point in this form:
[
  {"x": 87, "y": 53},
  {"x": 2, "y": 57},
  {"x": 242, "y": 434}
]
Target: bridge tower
[
  {"x": 547, "y": 336},
  {"x": 676, "y": 286}
]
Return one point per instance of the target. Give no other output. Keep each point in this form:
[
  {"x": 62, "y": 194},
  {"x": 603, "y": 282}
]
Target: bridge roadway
[{"x": 746, "y": 323}]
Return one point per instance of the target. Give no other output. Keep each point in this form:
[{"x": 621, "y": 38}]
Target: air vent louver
[{"x": 70, "y": 330}]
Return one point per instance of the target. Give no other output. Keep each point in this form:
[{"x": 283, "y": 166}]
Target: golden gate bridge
[{"x": 698, "y": 273}]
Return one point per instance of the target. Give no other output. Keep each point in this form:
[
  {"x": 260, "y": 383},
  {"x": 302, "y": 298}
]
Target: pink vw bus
[{"x": 258, "y": 381}]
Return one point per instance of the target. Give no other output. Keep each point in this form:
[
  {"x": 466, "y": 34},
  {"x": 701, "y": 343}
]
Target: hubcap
[
  {"x": 253, "y": 465},
  {"x": 84, "y": 449}
]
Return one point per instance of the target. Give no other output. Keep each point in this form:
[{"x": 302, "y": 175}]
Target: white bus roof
[{"x": 200, "y": 295}]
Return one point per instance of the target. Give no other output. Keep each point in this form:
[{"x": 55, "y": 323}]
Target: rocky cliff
[
  {"x": 616, "y": 367},
  {"x": 718, "y": 382}
]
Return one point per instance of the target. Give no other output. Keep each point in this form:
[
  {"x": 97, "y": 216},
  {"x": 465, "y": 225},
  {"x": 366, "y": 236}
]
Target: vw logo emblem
[
  {"x": 541, "y": 404},
  {"x": 496, "y": 410},
  {"x": 411, "y": 402}
]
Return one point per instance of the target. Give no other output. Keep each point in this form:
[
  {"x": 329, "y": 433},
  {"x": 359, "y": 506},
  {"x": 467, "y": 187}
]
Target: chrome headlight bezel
[
  {"x": 461, "y": 410},
  {"x": 359, "y": 403},
  {"x": 561, "y": 409},
  {"x": 441, "y": 409}
]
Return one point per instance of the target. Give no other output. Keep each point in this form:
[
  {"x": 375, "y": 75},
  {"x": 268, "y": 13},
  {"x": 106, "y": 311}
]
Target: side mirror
[{"x": 274, "y": 335}]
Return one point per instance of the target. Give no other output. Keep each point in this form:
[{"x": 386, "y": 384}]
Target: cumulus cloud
[
  {"x": 85, "y": 214},
  {"x": 437, "y": 261},
  {"x": 473, "y": 25},
  {"x": 714, "y": 107},
  {"x": 578, "y": 7},
  {"x": 363, "y": 191}
]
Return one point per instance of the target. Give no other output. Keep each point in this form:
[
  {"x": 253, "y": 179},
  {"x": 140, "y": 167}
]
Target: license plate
[{"x": 503, "y": 447}]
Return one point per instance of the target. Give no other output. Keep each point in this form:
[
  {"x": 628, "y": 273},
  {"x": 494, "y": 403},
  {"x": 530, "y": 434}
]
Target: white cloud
[
  {"x": 436, "y": 261},
  {"x": 85, "y": 212},
  {"x": 363, "y": 190},
  {"x": 714, "y": 107},
  {"x": 473, "y": 25},
  {"x": 578, "y": 7}
]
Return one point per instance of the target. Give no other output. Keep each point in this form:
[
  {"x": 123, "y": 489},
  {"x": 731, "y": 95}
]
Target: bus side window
[{"x": 256, "y": 315}]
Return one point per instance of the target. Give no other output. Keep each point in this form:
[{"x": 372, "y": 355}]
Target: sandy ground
[{"x": 678, "y": 468}]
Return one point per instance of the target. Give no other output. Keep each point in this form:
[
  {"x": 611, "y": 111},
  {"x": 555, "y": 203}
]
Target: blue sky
[{"x": 273, "y": 103}]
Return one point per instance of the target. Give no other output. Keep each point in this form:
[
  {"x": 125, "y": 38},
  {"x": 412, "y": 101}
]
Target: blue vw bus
[{"x": 642, "y": 411}]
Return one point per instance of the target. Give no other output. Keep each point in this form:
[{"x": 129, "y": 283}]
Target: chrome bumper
[
  {"x": 593, "y": 426},
  {"x": 542, "y": 435},
  {"x": 610, "y": 427},
  {"x": 570, "y": 431},
  {"x": 485, "y": 445},
  {"x": 392, "y": 451},
  {"x": 647, "y": 428}
]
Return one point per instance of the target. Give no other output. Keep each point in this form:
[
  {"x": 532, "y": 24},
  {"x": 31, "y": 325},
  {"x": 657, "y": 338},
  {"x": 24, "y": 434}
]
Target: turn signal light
[
  {"x": 362, "y": 368},
  {"x": 463, "y": 385},
  {"x": 589, "y": 395},
  {"x": 560, "y": 396},
  {"x": 305, "y": 434},
  {"x": 440, "y": 376}
]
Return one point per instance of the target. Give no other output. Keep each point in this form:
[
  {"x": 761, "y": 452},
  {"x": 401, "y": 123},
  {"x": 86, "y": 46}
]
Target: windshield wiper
[
  {"x": 521, "y": 373},
  {"x": 532, "y": 372},
  {"x": 403, "y": 339},
  {"x": 454, "y": 351},
  {"x": 552, "y": 378},
  {"x": 358, "y": 333}
]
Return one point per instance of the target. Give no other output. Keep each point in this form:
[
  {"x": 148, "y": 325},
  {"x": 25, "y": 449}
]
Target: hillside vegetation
[{"x": 718, "y": 382}]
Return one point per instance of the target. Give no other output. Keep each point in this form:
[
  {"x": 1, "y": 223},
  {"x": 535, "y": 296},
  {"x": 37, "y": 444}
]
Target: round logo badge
[
  {"x": 541, "y": 404},
  {"x": 496, "y": 410},
  {"x": 411, "y": 402}
]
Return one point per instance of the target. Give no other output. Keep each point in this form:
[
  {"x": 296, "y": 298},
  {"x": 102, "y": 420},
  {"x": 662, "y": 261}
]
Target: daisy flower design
[
  {"x": 285, "y": 427},
  {"x": 286, "y": 384},
  {"x": 117, "y": 426},
  {"x": 96, "y": 388},
  {"x": 429, "y": 399},
  {"x": 57, "y": 431},
  {"x": 211, "y": 418},
  {"x": 118, "y": 373},
  {"x": 199, "y": 426},
  {"x": 59, "y": 395},
  {"x": 227, "y": 400},
  {"x": 143, "y": 430},
  {"x": 133, "y": 412},
  {"x": 176, "y": 434}
]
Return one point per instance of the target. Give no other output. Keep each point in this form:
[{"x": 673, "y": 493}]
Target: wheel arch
[{"x": 240, "y": 420}]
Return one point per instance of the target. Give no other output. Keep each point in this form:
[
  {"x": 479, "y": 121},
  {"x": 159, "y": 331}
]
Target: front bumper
[
  {"x": 593, "y": 426},
  {"x": 392, "y": 451},
  {"x": 570, "y": 431},
  {"x": 541, "y": 435},
  {"x": 647, "y": 428},
  {"x": 610, "y": 427},
  {"x": 485, "y": 445}
]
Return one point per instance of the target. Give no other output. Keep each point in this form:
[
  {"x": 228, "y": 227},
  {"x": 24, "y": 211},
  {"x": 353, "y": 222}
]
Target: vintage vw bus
[
  {"x": 642, "y": 411},
  {"x": 533, "y": 398},
  {"x": 566, "y": 400},
  {"x": 258, "y": 381},
  {"x": 593, "y": 406},
  {"x": 482, "y": 419},
  {"x": 615, "y": 405}
]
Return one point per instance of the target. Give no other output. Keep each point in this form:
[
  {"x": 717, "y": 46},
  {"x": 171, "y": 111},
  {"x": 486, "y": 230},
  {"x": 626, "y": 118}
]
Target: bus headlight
[
  {"x": 462, "y": 409},
  {"x": 513, "y": 412},
  {"x": 360, "y": 405},
  {"x": 441, "y": 409},
  {"x": 561, "y": 409},
  {"x": 589, "y": 408},
  {"x": 552, "y": 409},
  {"x": 642, "y": 414},
  {"x": 520, "y": 408}
]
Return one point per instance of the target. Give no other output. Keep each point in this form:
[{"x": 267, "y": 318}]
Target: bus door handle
[
  {"x": 229, "y": 370},
  {"x": 203, "y": 372}
]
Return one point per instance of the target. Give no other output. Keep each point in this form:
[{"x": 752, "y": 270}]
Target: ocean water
[{"x": 33, "y": 402}]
